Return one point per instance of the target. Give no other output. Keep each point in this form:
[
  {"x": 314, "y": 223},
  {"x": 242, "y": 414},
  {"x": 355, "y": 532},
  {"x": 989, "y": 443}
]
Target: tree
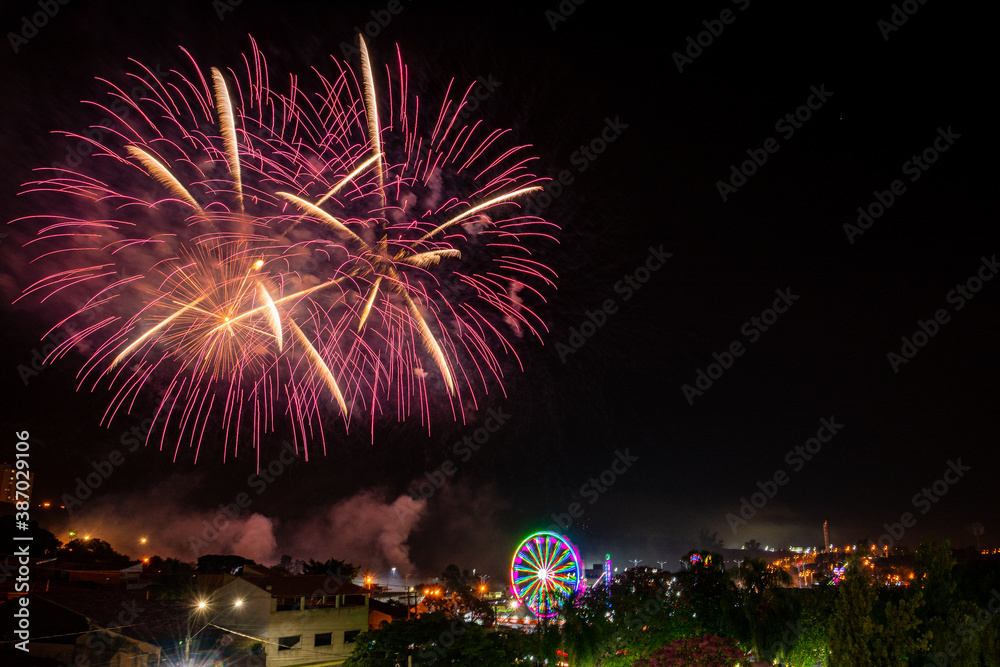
[
  {"x": 646, "y": 615},
  {"x": 391, "y": 644},
  {"x": 762, "y": 611},
  {"x": 752, "y": 545},
  {"x": 457, "y": 595},
  {"x": 932, "y": 571},
  {"x": 856, "y": 639},
  {"x": 43, "y": 542},
  {"x": 851, "y": 627},
  {"x": 582, "y": 631},
  {"x": 172, "y": 578},
  {"x": 92, "y": 550},
  {"x": 286, "y": 566},
  {"x": 703, "y": 586},
  {"x": 218, "y": 564},
  {"x": 945, "y": 616},
  {"x": 332, "y": 567},
  {"x": 703, "y": 651},
  {"x": 708, "y": 541},
  {"x": 436, "y": 637},
  {"x": 811, "y": 641}
]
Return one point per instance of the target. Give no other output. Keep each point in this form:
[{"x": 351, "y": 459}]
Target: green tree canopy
[
  {"x": 703, "y": 586},
  {"x": 857, "y": 639},
  {"x": 762, "y": 611},
  {"x": 438, "y": 638},
  {"x": 43, "y": 542},
  {"x": 173, "y": 579},
  {"x": 219, "y": 564},
  {"x": 332, "y": 567},
  {"x": 93, "y": 550}
]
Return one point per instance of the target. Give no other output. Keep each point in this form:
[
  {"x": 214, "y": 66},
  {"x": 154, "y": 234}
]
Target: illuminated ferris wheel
[{"x": 546, "y": 569}]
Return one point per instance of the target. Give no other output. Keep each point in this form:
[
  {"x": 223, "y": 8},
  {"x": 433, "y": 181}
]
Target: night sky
[{"x": 786, "y": 236}]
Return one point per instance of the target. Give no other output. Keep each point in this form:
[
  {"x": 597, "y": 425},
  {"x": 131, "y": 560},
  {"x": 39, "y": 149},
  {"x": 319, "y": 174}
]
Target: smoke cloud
[{"x": 368, "y": 529}]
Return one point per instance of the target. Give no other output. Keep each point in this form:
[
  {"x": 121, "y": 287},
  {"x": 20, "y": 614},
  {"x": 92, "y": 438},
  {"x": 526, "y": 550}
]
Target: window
[
  {"x": 314, "y": 602},
  {"x": 350, "y": 636},
  {"x": 288, "y": 604},
  {"x": 353, "y": 601},
  {"x": 324, "y": 639},
  {"x": 285, "y": 643}
]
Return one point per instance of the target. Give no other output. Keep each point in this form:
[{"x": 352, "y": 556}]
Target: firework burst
[{"x": 253, "y": 256}]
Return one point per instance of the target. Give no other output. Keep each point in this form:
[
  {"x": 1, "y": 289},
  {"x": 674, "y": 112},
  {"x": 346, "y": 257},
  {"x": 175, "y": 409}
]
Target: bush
[{"x": 703, "y": 651}]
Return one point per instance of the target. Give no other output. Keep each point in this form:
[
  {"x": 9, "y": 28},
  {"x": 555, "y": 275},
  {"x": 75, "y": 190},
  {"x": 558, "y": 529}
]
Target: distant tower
[
  {"x": 607, "y": 576},
  {"x": 826, "y": 536}
]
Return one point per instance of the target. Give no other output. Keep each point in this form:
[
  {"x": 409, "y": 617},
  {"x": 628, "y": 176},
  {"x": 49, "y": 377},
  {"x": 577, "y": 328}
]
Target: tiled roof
[
  {"x": 389, "y": 609},
  {"x": 126, "y": 612},
  {"x": 305, "y": 584}
]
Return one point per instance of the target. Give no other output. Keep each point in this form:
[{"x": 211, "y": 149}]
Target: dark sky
[{"x": 676, "y": 134}]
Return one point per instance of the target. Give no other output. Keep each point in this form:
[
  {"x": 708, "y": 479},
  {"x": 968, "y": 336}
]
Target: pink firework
[{"x": 255, "y": 257}]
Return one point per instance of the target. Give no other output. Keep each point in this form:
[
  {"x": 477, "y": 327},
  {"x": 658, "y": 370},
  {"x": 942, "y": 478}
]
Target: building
[
  {"x": 380, "y": 613},
  {"x": 299, "y": 620},
  {"x": 99, "y": 625},
  {"x": 8, "y": 484}
]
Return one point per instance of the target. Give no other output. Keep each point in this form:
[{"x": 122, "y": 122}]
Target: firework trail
[{"x": 253, "y": 256}]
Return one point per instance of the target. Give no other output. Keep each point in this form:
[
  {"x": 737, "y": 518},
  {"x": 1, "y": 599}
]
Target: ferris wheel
[{"x": 546, "y": 569}]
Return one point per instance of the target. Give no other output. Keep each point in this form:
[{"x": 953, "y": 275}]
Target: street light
[
  {"x": 198, "y": 615},
  {"x": 201, "y": 606}
]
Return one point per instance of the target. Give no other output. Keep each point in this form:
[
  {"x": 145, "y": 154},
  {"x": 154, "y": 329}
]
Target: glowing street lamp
[{"x": 198, "y": 615}]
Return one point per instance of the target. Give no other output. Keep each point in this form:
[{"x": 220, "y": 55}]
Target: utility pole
[{"x": 635, "y": 561}]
